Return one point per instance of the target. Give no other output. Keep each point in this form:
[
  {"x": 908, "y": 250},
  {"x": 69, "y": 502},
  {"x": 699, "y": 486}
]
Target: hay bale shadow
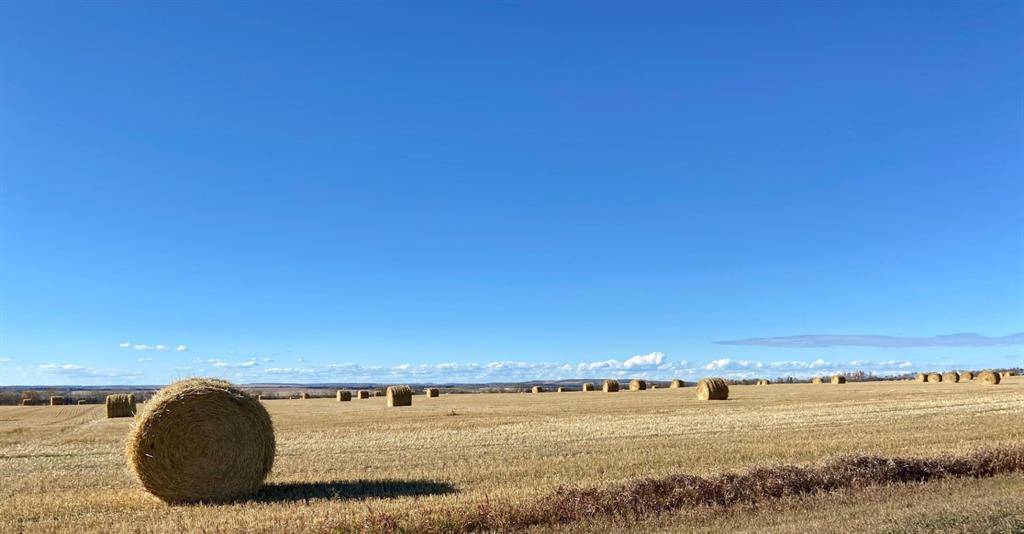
[{"x": 351, "y": 489}]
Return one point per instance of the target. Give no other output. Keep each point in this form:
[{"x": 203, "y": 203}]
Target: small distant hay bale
[
  {"x": 677, "y": 384},
  {"x": 399, "y": 396},
  {"x": 712, "y": 389},
  {"x": 951, "y": 376},
  {"x": 817, "y": 380},
  {"x": 303, "y": 395},
  {"x": 363, "y": 394},
  {"x": 588, "y": 386},
  {"x": 637, "y": 385},
  {"x": 82, "y": 401},
  {"x": 560, "y": 390},
  {"x": 610, "y": 386},
  {"x": 432, "y": 392},
  {"x": 1005, "y": 374},
  {"x": 989, "y": 377},
  {"x": 26, "y": 402},
  {"x": 934, "y": 377},
  {"x": 343, "y": 395},
  {"x": 201, "y": 440},
  {"x": 56, "y": 400},
  {"x": 838, "y": 379},
  {"x": 763, "y": 382},
  {"x": 120, "y": 405},
  {"x": 967, "y": 375},
  {"x": 921, "y": 377},
  {"x": 537, "y": 389}
]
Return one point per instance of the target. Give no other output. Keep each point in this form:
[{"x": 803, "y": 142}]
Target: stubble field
[{"x": 351, "y": 466}]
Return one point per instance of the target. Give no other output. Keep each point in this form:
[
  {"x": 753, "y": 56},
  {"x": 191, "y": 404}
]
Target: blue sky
[{"x": 473, "y": 192}]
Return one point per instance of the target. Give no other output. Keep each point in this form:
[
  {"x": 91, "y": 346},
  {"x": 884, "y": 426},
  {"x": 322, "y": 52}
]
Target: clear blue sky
[{"x": 477, "y": 191}]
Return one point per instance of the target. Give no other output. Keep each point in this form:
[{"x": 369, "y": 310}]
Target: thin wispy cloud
[
  {"x": 232, "y": 365},
  {"x": 142, "y": 346},
  {"x": 854, "y": 340},
  {"x": 78, "y": 372},
  {"x": 181, "y": 348}
]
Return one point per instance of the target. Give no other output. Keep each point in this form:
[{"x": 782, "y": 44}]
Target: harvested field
[{"x": 420, "y": 466}]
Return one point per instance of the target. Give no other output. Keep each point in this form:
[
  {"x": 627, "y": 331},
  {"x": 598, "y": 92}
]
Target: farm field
[{"x": 350, "y": 466}]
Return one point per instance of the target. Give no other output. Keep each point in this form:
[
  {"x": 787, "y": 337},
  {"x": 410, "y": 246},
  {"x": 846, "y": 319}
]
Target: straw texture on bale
[
  {"x": 537, "y": 389},
  {"x": 921, "y": 377},
  {"x": 967, "y": 375},
  {"x": 816, "y": 380},
  {"x": 951, "y": 376},
  {"x": 934, "y": 377},
  {"x": 989, "y": 377},
  {"x": 201, "y": 440},
  {"x": 432, "y": 392},
  {"x": 363, "y": 394},
  {"x": 121, "y": 405},
  {"x": 677, "y": 384},
  {"x": 637, "y": 385},
  {"x": 712, "y": 389},
  {"x": 343, "y": 396},
  {"x": 587, "y": 386},
  {"x": 26, "y": 402},
  {"x": 56, "y": 401},
  {"x": 399, "y": 396},
  {"x": 610, "y": 386},
  {"x": 838, "y": 379}
]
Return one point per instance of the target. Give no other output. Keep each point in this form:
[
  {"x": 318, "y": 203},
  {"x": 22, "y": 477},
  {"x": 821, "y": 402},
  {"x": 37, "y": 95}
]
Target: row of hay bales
[
  {"x": 835, "y": 379},
  {"x": 985, "y": 377}
]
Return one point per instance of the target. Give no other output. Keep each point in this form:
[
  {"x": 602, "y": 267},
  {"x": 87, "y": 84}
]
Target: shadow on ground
[{"x": 351, "y": 489}]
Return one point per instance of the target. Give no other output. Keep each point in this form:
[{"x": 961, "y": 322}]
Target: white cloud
[
  {"x": 181, "y": 348},
  {"x": 125, "y": 345},
  {"x": 652, "y": 359},
  {"x": 145, "y": 359},
  {"x": 143, "y": 346},
  {"x": 232, "y": 365},
  {"x": 79, "y": 372}
]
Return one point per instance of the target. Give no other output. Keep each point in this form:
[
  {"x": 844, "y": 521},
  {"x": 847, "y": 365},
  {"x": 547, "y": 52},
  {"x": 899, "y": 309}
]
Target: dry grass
[{"x": 421, "y": 466}]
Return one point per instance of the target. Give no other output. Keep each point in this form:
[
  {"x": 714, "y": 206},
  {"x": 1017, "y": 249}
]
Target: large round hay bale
[
  {"x": 677, "y": 384},
  {"x": 537, "y": 389},
  {"x": 201, "y": 440},
  {"x": 56, "y": 400},
  {"x": 838, "y": 379},
  {"x": 363, "y": 394},
  {"x": 637, "y": 385},
  {"x": 610, "y": 386},
  {"x": 967, "y": 375},
  {"x": 712, "y": 389},
  {"x": 432, "y": 392},
  {"x": 120, "y": 405},
  {"x": 951, "y": 376},
  {"x": 587, "y": 386},
  {"x": 399, "y": 396},
  {"x": 763, "y": 382},
  {"x": 989, "y": 377},
  {"x": 343, "y": 395},
  {"x": 934, "y": 377},
  {"x": 921, "y": 377},
  {"x": 817, "y": 380}
]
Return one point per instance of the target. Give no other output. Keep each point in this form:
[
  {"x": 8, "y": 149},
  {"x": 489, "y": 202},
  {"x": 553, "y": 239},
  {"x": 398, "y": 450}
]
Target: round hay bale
[
  {"x": 637, "y": 385},
  {"x": 303, "y": 395},
  {"x": 817, "y": 380},
  {"x": 537, "y": 389},
  {"x": 1005, "y": 374},
  {"x": 934, "y": 377},
  {"x": 343, "y": 396},
  {"x": 588, "y": 386},
  {"x": 56, "y": 400},
  {"x": 921, "y": 377},
  {"x": 967, "y": 375},
  {"x": 610, "y": 386},
  {"x": 399, "y": 396},
  {"x": 201, "y": 440},
  {"x": 82, "y": 401},
  {"x": 712, "y": 389},
  {"x": 120, "y": 405},
  {"x": 951, "y": 376},
  {"x": 763, "y": 382},
  {"x": 26, "y": 402},
  {"x": 677, "y": 384},
  {"x": 432, "y": 392},
  {"x": 363, "y": 394},
  {"x": 989, "y": 377},
  {"x": 838, "y": 379},
  {"x": 560, "y": 390}
]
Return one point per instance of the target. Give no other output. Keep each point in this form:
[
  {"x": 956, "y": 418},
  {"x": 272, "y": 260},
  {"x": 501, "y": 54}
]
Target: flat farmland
[{"x": 358, "y": 465}]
